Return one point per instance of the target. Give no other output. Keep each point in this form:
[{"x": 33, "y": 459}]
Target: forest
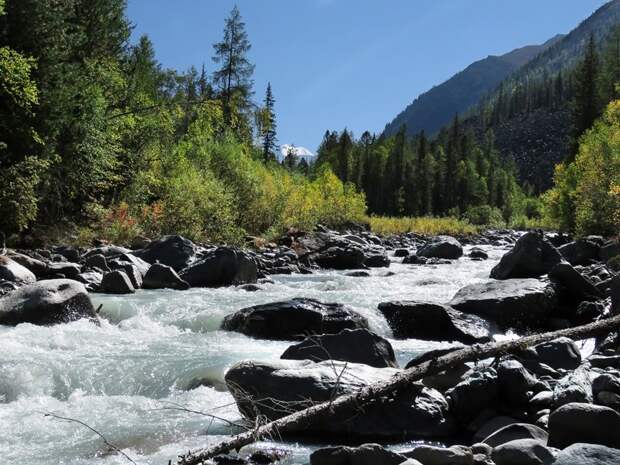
[{"x": 98, "y": 139}]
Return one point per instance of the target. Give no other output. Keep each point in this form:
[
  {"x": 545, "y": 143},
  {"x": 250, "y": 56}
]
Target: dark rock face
[
  {"x": 516, "y": 383},
  {"x": 414, "y": 411},
  {"x": 223, "y": 266},
  {"x": 46, "y": 303},
  {"x": 366, "y": 454},
  {"x": 559, "y": 353},
  {"x": 163, "y": 277},
  {"x": 442, "y": 247},
  {"x": 522, "y": 452},
  {"x": 116, "y": 282},
  {"x": 434, "y": 322},
  {"x": 574, "y": 423},
  {"x": 175, "y": 251},
  {"x": 606, "y": 390},
  {"x": 473, "y": 395},
  {"x": 572, "y": 283},
  {"x": 587, "y": 454},
  {"x": 341, "y": 258},
  {"x": 519, "y": 303},
  {"x": 401, "y": 253},
  {"x": 356, "y": 346},
  {"x": 97, "y": 261},
  {"x": 12, "y": 271},
  {"x": 532, "y": 256},
  {"x": 377, "y": 260},
  {"x": 293, "y": 319},
  {"x": 66, "y": 269},
  {"x": 122, "y": 261},
  {"x": 91, "y": 279},
  {"x": 580, "y": 252},
  {"x": 514, "y": 432}
]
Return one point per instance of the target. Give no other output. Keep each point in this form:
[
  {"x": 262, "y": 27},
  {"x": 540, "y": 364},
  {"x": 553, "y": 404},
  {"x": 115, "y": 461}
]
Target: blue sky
[{"x": 353, "y": 63}]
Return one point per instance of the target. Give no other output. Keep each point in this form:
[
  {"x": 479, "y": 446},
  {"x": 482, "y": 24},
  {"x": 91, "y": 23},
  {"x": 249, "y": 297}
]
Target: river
[{"x": 128, "y": 376}]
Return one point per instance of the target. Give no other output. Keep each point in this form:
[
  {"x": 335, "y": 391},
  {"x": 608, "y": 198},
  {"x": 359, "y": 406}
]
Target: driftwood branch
[
  {"x": 349, "y": 404},
  {"x": 105, "y": 440}
]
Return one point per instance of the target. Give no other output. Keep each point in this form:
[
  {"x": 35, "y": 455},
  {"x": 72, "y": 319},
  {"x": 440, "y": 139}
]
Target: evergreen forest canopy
[{"x": 97, "y": 137}]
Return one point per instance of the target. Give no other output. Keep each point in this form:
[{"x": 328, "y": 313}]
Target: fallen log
[{"x": 352, "y": 403}]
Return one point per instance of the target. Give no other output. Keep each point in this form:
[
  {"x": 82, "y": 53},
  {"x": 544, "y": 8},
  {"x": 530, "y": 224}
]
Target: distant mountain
[
  {"x": 433, "y": 109},
  {"x": 300, "y": 153},
  {"x": 538, "y": 139}
]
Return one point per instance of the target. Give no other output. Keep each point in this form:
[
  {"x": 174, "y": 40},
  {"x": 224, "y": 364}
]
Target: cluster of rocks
[{"x": 544, "y": 405}]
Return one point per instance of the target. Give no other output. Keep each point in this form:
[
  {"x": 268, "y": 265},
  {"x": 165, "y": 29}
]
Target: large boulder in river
[
  {"x": 587, "y": 454},
  {"x": 163, "y": 277},
  {"x": 116, "y": 282},
  {"x": 559, "y": 353},
  {"x": 581, "y": 252},
  {"x": 575, "y": 422},
  {"x": 442, "y": 247},
  {"x": 12, "y": 271},
  {"x": 293, "y": 319},
  {"x": 573, "y": 284},
  {"x": 341, "y": 258},
  {"x": 224, "y": 266},
  {"x": 38, "y": 267},
  {"x": 288, "y": 386},
  {"x": 523, "y": 452},
  {"x": 349, "y": 345},
  {"x": 518, "y": 303},
  {"x": 175, "y": 251},
  {"x": 532, "y": 256},
  {"x": 47, "y": 302},
  {"x": 434, "y": 322}
]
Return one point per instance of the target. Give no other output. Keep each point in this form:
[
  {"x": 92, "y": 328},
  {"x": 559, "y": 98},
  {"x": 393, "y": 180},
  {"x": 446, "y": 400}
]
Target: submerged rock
[
  {"x": 47, "y": 302},
  {"x": 434, "y": 322},
  {"x": 356, "y": 346},
  {"x": 224, "y": 266},
  {"x": 532, "y": 256},
  {"x": 289, "y": 386},
  {"x": 293, "y": 319},
  {"x": 518, "y": 303}
]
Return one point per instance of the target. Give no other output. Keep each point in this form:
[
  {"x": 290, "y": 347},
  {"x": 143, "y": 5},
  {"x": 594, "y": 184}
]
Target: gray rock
[
  {"x": 66, "y": 269},
  {"x": 366, "y": 454},
  {"x": 574, "y": 423},
  {"x": 163, "y": 277},
  {"x": 532, "y": 256},
  {"x": 478, "y": 254},
  {"x": 224, "y": 266},
  {"x": 516, "y": 384},
  {"x": 293, "y": 319},
  {"x": 349, "y": 345},
  {"x": 442, "y": 247},
  {"x": 559, "y": 353},
  {"x": 97, "y": 261},
  {"x": 47, "y": 302},
  {"x": 523, "y": 452},
  {"x": 12, "y": 271},
  {"x": 174, "y": 251},
  {"x": 91, "y": 279},
  {"x": 514, "y": 432},
  {"x": 434, "y": 322},
  {"x": 587, "y": 454},
  {"x": 38, "y": 267},
  {"x": 606, "y": 390},
  {"x": 519, "y": 303},
  {"x": 476, "y": 393},
  {"x": 572, "y": 283},
  {"x": 346, "y": 257},
  {"x": 580, "y": 252},
  {"x": 429, "y": 455},
  {"x": 574, "y": 387},
  {"x": 116, "y": 282},
  {"x": 413, "y": 411}
]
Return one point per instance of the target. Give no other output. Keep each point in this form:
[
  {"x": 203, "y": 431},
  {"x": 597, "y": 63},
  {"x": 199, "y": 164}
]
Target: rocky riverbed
[{"x": 137, "y": 342}]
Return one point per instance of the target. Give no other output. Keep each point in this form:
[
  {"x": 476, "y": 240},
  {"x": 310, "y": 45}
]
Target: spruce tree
[
  {"x": 268, "y": 126},
  {"x": 234, "y": 77},
  {"x": 585, "y": 103}
]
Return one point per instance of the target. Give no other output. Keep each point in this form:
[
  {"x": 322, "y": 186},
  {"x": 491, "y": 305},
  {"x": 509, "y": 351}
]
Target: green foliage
[
  {"x": 485, "y": 215},
  {"x": 421, "y": 225},
  {"x": 584, "y": 199}
]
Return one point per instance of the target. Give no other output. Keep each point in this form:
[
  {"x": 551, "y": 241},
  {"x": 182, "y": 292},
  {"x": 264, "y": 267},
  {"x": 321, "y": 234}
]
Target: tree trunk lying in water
[{"x": 352, "y": 404}]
